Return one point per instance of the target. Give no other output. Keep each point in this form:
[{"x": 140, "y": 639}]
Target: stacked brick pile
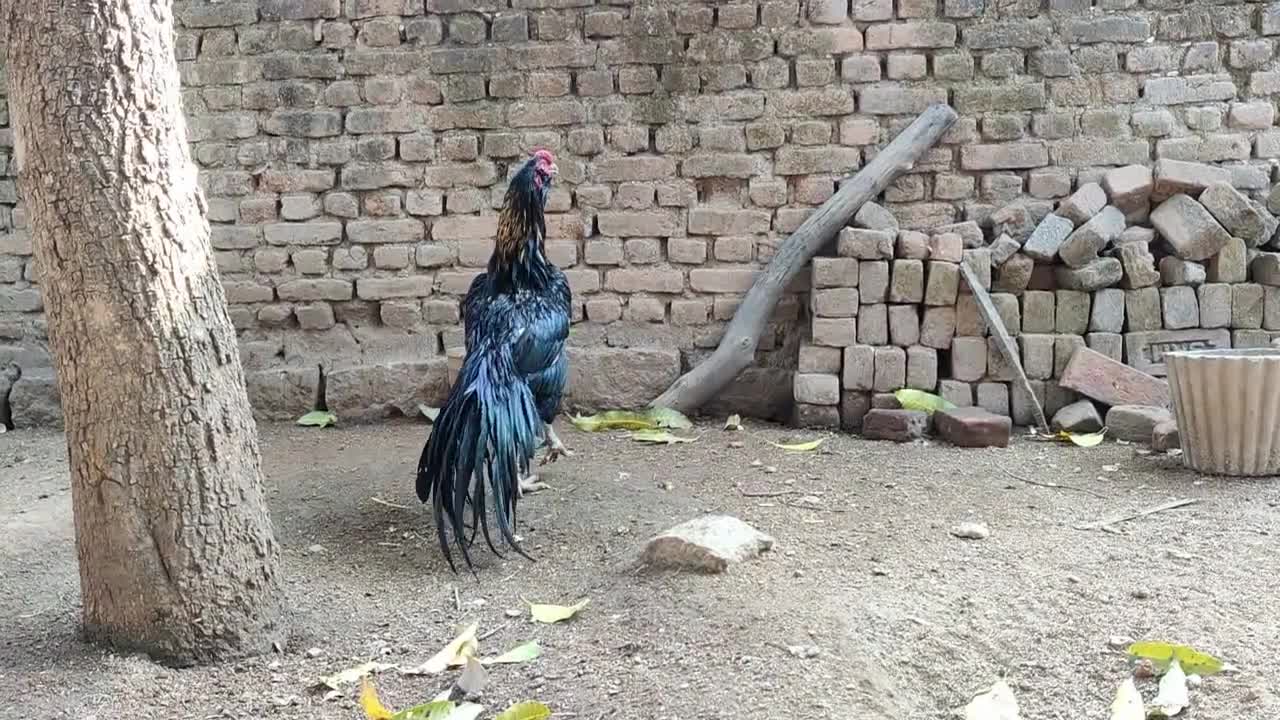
[{"x": 1136, "y": 262}]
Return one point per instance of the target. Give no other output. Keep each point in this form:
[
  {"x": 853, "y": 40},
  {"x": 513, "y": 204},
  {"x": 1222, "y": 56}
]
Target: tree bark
[
  {"x": 737, "y": 348},
  {"x": 176, "y": 549}
]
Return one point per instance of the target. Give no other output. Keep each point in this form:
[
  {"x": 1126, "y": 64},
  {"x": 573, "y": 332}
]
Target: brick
[
  {"x": 993, "y": 401},
  {"x": 396, "y": 287},
  {"x": 1237, "y": 215},
  {"x": 1265, "y": 269},
  {"x": 1037, "y": 355},
  {"x": 1247, "y": 306},
  {"x": 887, "y": 99},
  {"x": 1009, "y": 97},
  {"x": 943, "y": 284},
  {"x": 904, "y": 325},
  {"x": 1084, "y": 204},
  {"x": 1009, "y": 156},
  {"x": 946, "y": 247},
  {"x": 1102, "y": 379},
  {"x": 1098, "y": 274},
  {"x": 969, "y": 320},
  {"x": 873, "y": 281},
  {"x": 1039, "y": 312},
  {"x": 835, "y": 302},
  {"x": 1138, "y": 265},
  {"x": 1083, "y": 245},
  {"x": 1173, "y": 177},
  {"x": 859, "y": 368},
  {"x": 319, "y": 233},
  {"x": 315, "y": 290},
  {"x": 1189, "y": 228},
  {"x": 819, "y": 359},
  {"x": 968, "y": 358},
  {"x": 1174, "y": 271},
  {"x": 1189, "y": 89},
  {"x": 865, "y": 244},
  {"x": 890, "y": 369},
  {"x": 1145, "y": 350},
  {"x": 1015, "y": 274},
  {"x": 816, "y": 389},
  {"x": 834, "y": 272},
  {"x": 907, "y": 282},
  {"x": 1215, "y": 305},
  {"x": 834, "y": 332},
  {"x": 894, "y": 425},
  {"x": 938, "y": 327},
  {"x": 1179, "y": 307},
  {"x": 997, "y": 367},
  {"x": 978, "y": 260}
]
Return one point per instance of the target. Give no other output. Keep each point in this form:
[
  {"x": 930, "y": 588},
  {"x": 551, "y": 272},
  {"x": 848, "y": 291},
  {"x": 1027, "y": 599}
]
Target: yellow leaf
[
  {"x": 1083, "y": 439},
  {"x": 1191, "y": 660},
  {"x": 733, "y": 423},
  {"x": 352, "y": 674},
  {"x": 520, "y": 653},
  {"x": 800, "y": 447},
  {"x": 527, "y": 710},
  {"x": 998, "y": 703},
  {"x": 659, "y": 436},
  {"x": 1128, "y": 703},
  {"x": 555, "y": 613},
  {"x": 453, "y": 654},
  {"x": 650, "y": 419},
  {"x": 920, "y": 400},
  {"x": 370, "y": 703}
]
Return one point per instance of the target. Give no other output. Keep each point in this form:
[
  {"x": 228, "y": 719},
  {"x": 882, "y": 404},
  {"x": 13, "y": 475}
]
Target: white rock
[
  {"x": 971, "y": 531},
  {"x": 707, "y": 544}
]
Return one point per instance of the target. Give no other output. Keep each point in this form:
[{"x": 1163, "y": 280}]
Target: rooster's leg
[
  {"x": 555, "y": 448},
  {"x": 532, "y": 484}
]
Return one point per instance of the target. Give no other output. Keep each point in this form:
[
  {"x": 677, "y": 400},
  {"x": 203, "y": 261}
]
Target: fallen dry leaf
[
  {"x": 556, "y": 613},
  {"x": 997, "y": 703},
  {"x": 453, "y": 654}
]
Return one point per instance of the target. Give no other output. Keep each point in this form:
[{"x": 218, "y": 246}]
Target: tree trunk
[
  {"x": 176, "y": 549},
  {"x": 737, "y": 347}
]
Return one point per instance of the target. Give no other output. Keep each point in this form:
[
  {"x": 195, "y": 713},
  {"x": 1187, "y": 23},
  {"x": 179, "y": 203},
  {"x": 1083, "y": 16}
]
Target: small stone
[
  {"x": 1084, "y": 204},
  {"x": 971, "y": 531},
  {"x": 313, "y": 549},
  {"x": 1164, "y": 436},
  {"x": 894, "y": 425},
  {"x": 1189, "y": 229},
  {"x": 1080, "y": 416},
  {"x": 973, "y": 427},
  {"x": 1135, "y": 423},
  {"x": 1119, "y": 642},
  {"x": 705, "y": 544},
  {"x": 314, "y": 652}
]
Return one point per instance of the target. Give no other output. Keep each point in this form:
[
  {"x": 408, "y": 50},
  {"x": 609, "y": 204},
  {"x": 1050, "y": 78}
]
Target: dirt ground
[{"x": 909, "y": 620}]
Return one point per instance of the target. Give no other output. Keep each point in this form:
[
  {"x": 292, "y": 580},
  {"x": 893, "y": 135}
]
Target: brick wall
[{"x": 354, "y": 152}]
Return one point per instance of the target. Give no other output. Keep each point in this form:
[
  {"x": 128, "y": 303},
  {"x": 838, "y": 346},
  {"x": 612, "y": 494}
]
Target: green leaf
[
  {"x": 555, "y": 613},
  {"x": 799, "y": 447},
  {"x": 920, "y": 400},
  {"x": 318, "y": 418},
  {"x": 668, "y": 418},
  {"x": 659, "y": 436},
  {"x": 1192, "y": 661},
  {"x": 527, "y": 710},
  {"x": 651, "y": 419},
  {"x": 518, "y": 654},
  {"x": 434, "y": 710}
]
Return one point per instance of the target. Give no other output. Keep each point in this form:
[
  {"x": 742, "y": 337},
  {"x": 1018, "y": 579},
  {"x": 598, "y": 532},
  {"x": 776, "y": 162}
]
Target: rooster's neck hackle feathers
[{"x": 519, "y": 257}]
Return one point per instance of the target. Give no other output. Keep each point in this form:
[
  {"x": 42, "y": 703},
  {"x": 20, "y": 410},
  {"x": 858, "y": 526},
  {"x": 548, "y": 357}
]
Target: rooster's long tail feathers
[{"x": 488, "y": 429}]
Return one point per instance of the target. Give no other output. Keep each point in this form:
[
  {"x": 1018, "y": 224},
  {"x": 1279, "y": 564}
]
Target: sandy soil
[{"x": 909, "y": 620}]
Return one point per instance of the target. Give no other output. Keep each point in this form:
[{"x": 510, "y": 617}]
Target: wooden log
[
  {"x": 737, "y": 349},
  {"x": 1003, "y": 340}
]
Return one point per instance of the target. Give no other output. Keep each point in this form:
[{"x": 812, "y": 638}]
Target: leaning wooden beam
[
  {"x": 1003, "y": 341},
  {"x": 737, "y": 349}
]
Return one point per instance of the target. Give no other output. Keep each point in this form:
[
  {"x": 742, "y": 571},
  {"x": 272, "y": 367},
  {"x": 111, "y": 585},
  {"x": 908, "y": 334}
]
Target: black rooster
[{"x": 516, "y": 317}]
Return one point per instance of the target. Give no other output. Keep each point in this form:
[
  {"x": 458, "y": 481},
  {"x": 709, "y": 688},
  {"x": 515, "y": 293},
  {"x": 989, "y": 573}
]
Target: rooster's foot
[
  {"x": 531, "y": 484},
  {"x": 555, "y": 448}
]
